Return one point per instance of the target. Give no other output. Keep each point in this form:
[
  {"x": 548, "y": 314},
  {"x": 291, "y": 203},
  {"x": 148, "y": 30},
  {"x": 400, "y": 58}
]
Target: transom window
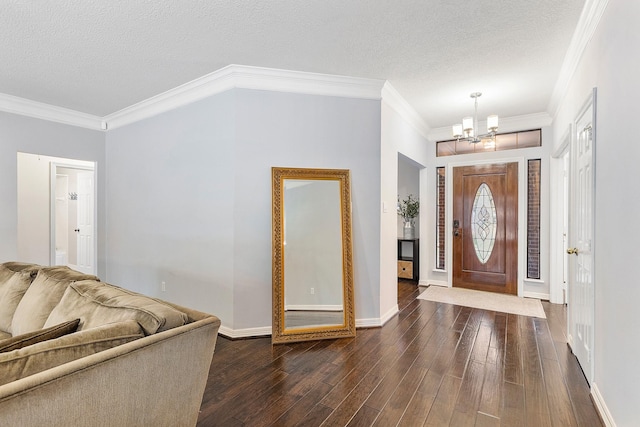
[{"x": 503, "y": 141}]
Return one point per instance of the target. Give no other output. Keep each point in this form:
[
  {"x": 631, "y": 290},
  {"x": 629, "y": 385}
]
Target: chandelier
[{"x": 467, "y": 131}]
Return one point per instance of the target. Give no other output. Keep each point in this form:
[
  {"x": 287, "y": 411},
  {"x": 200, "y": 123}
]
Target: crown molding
[
  {"x": 507, "y": 124},
  {"x": 230, "y": 77},
  {"x": 39, "y": 110},
  {"x": 246, "y": 77},
  {"x": 400, "y": 105},
  {"x": 587, "y": 24}
]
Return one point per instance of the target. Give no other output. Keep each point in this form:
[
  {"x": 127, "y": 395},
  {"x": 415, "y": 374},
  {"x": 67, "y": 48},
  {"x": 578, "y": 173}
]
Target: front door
[
  {"x": 581, "y": 284},
  {"x": 485, "y": 227}
]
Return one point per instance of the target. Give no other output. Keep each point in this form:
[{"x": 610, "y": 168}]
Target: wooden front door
[{"x": 485, "y": 227}]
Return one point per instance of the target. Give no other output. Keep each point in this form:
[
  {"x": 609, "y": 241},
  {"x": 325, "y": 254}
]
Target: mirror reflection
[
  {"x": 312, "y": 254},
  {"x": 312, "y": 275}
]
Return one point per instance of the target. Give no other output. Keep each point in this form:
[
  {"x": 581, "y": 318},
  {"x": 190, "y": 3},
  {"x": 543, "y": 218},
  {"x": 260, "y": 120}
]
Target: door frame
[
  {"x": 52, "y": 209},
  {"x": 522, "y": 220},
  {"x": 558, "y": 213}
]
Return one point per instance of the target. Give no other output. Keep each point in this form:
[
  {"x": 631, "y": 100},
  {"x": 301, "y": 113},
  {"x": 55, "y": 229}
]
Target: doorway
[
  {"x": 56, "y": 197},
  {"x": 72, "y": 217},
  {"x": 485, "y": 227}
]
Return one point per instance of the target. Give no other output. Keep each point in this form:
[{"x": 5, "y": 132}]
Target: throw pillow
[
  {"x": 30, "y": 338},
  {"x": 14, "y": 282},
  {"x": 42, "y": 296},
  {"x": 97, "y": 303},
  {"x": 39, "y": 357}
]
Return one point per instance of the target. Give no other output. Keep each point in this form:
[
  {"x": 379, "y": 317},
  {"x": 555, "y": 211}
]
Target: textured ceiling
[{"x": 99, "y": 57}]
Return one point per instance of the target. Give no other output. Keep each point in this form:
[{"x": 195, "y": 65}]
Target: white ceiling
[{"x": 98, "y": 57}]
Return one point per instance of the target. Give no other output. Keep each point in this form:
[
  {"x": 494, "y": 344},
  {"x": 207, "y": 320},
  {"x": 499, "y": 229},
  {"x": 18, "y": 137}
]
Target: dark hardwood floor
[{"x": 433, "y": 364}]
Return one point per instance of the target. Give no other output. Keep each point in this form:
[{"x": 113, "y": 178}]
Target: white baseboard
[
  {"x": 389, "y": 314},
  {"x": 313, "y": 307},
  {"x": 442, "y": 283},
  {"x": 245, "y": 333},
  {"x": 601, "y": 406},
  {"x": 374, "y": 322},
  {"x": 537, "y": 295}
]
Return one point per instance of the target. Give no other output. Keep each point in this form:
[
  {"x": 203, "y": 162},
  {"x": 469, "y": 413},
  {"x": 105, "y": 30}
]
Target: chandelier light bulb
[
  {"x": 467, "y": 124},
  {"x": 457, "y": 130},
  {"x": 467, "y": 130},
  {"x": 492, "y": 123}
]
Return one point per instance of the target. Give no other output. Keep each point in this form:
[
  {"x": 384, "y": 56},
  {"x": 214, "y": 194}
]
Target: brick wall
[
  {"x": 440, "y": 234},
  {"x": 533, "y": 219}
]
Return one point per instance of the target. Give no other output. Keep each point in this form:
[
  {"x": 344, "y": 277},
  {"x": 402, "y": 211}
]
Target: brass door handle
[{"x": 572, "y": 251}]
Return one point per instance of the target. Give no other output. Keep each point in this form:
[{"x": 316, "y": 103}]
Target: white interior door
[
  {"x": 581, "y": 275},
  {"x": 85, "y": 228}
]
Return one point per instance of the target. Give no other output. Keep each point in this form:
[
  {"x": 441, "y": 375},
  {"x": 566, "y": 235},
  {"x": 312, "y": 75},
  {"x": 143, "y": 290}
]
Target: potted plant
[{"x": 408, "y": 209}]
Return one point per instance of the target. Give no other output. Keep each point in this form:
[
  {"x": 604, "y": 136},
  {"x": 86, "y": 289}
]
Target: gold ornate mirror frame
[{"x": 300, "y": 187}]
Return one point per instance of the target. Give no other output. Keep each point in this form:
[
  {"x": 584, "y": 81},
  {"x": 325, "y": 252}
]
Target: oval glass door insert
[{"x": 483, "y": 223}]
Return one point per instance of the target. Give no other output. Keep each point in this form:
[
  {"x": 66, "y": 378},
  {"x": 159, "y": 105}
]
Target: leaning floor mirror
[{"x": 312, "y": 255}]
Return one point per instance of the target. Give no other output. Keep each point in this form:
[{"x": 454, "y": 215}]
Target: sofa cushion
[
  {"x": 42, "y": 296},
  {"x": 31, "y": 338},
  {"x": 97, "y": 303},
  {"x": 15, "y": 279},
  {"x": 39, "y": 357}
]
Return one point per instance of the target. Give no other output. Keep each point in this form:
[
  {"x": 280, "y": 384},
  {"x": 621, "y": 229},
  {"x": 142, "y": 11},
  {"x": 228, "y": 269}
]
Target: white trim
[
  {"x": 507, "y": 124},
  {"x": 374, "y": 322},
  {"x": 565, "y": 142},
  {"x": 556, "y": 219},
  {"x": 587, "y": 24},
  {"x": 601, "y": 406},
  {"x": 387, "y": 316},
  {"x": 40, "y": 110},
  {"x": 534, "y": 281},
  {"x": 230, "y": 77},
  {"x": 435, "y": 283},
  {"x": 536, "y": 295},
  {"x": 312, "y": 307},
  {"x": 246, "y": 77},
  {"x": 400, "y": 105},
  {"x": 245, "y": 333}
]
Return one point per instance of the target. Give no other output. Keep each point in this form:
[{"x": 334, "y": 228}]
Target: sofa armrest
[{"x": 157, "y": 380}]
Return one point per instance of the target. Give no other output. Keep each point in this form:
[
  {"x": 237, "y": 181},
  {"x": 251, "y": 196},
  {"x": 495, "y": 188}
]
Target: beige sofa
[{"x": 75, "y": 351}]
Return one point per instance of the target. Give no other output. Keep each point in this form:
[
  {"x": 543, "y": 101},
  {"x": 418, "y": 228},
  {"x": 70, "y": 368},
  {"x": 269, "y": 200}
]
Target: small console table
[{"x": 408, "y": 258}]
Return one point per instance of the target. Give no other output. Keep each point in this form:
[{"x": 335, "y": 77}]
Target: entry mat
[{"x": 484, "y": 300}]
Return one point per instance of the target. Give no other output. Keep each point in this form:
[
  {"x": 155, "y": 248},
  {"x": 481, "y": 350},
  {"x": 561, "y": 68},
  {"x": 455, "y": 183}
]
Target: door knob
[{"x": 572, "y": 251}]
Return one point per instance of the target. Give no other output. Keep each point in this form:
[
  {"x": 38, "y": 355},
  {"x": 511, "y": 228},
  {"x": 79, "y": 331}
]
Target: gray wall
[
  {"x": 409, "y": 183},
  {"x": 171, "y": 214},
  {"x": 610, "y": 64},
  {"x": 190, "y": 196},
  {"x": 29, "y": 135}
]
